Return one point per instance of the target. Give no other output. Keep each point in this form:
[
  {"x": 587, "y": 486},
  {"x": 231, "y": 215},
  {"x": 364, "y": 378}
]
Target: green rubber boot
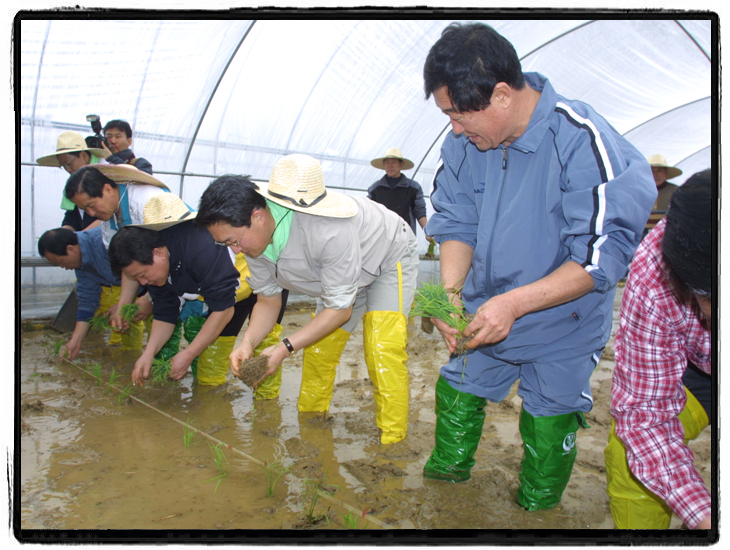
[
  {"x": 547, "y": 460},
  {"x": 459, "y": 422}
]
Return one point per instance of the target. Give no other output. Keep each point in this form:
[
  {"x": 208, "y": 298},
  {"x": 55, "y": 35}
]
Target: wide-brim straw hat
[
  {"x": 392, "y": 153},
  {"x": 660, "y": 162},
  {"x": 297, "y": 183},
  {"x": 165, "y": 210},
  {"x": 125, "y": 173},
  {"x": 70, "y": 142}
]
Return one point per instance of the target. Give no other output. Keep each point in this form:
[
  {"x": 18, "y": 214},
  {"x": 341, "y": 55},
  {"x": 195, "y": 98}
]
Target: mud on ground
[{"x": 92, "y": 458}]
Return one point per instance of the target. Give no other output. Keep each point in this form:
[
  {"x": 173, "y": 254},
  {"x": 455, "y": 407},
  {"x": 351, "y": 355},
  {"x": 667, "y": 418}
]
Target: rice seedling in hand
[
  {"x": 129, "y": 311},
  {"x": 220, "y": 463},
  {"x": 274, "y": 471},
  {"x": 57, "y": 346},
  {"x": 159, "y": 371},
  {"x": 432, "y": 300},
  {"x": 99, "y": 323}
]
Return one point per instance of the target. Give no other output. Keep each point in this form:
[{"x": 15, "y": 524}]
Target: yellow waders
[
  {"x": 633, "y": 506},
  {"x": 271, "y": 385},
  {"x": 385, "y": 336},
  {"x": 318, "y": 371},
  {"x": 132, "y": 339}
]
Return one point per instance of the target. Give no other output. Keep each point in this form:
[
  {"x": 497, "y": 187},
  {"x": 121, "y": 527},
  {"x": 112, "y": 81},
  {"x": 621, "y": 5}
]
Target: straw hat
[
  {"x": 126, "y": 173},
  {"x": 392, "y": 153},
  {"x": 70, "y": 142},
  {"x": 297, "y": 182},
  {"x": 661, "y": 162},
  {"x": 165, "y": 210}
]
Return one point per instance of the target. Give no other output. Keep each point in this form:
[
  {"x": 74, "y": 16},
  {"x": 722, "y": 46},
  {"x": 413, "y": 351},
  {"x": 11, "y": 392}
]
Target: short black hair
[
  {"x": 687, "y": 241},
  {"x": 133, "y": 244},
  {"x": 122, "y": 125},
  {"x": 55, "y": 241},
  {"x": 87, "y": 180},
  {"x": 229, "y": 199},
  {"x": 470, "y": 60}
]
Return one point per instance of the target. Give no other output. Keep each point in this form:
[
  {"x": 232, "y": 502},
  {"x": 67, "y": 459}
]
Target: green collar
[{"x": 282, "y": 218}]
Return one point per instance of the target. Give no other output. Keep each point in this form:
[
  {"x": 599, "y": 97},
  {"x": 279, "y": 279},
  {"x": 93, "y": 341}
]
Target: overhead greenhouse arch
[{"x": 208, "y": 97}]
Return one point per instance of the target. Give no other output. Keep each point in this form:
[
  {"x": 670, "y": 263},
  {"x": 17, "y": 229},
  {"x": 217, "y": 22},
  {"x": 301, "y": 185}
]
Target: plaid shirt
[{"x": 658, "y": 334}]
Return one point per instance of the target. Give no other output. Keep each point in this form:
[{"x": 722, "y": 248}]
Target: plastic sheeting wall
[{"x": 212, "y": 97}]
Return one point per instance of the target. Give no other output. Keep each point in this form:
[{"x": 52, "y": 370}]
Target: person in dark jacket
[{"x": 397, "y": 192}]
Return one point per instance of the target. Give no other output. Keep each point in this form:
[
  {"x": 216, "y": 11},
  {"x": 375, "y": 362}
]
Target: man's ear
[
  {"x": 70, "y": 248},
  {"x": 159, "y": 252},
  {"x": 501, "y": 95}
]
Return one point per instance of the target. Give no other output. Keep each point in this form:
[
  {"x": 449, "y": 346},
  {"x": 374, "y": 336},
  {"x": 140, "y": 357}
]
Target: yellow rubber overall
[
  {"x": 271, "y": 385},
  {"x": 385, "y": 336},
  {"x": 214, "y": 362},
  {"x": 132, "y": 339},
  {"x": 318, "y": 371},
  {"x": 633, "y": 506}
]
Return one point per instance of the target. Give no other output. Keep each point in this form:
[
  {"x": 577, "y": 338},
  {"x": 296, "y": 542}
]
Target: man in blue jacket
[
  {"x": 85, "y": 253},
  {"x": 539, "y": 205}
]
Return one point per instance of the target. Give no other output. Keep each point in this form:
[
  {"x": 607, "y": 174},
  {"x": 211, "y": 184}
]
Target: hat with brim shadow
[
  {"x": 165, "y": 210},
  {"x": 660, "y": 162},
  {"x": 297, "y": 183},
  {"x": 124, "y": 173},
  {"x": 70, "y": 142},
  {"x": 392, "y": 153}
]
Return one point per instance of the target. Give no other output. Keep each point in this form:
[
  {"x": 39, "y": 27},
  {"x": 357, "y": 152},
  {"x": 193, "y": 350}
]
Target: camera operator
[{"x": 118, "y": 137}]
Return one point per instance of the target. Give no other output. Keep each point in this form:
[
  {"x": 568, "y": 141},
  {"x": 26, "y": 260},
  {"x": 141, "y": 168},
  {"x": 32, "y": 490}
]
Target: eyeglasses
[{"x": 237, "y": 243}]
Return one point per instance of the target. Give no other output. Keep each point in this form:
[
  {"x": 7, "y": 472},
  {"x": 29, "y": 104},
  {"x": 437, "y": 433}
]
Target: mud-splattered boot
[
  {"x": 549, "y": 451},
  {"x": 459, "y": 422}
]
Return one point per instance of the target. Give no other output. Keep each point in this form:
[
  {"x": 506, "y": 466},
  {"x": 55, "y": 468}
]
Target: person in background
[
  {"x": 71, "y": 154},
  {"x": 85, "y": 253},
  {"x": 662, "y": 385},
  {"x": 665, "y": 189},
  {"x": 539, "y": 206},
  {"x": 397, "y": 192},
  {"x": 118, "y": 134},
  {"x": 359, "y": 259}
]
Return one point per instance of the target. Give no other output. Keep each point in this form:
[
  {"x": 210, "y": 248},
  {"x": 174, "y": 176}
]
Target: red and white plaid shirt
[{"x": 657, "y": 335}]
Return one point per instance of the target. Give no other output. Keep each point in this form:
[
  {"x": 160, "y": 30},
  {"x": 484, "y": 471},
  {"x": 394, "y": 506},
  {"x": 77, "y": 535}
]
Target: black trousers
[{"x": 700, "y": 384}]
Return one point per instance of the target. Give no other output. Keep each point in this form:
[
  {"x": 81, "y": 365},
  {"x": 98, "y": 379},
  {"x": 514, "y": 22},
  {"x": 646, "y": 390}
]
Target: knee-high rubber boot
[
  {"x": 385, "y": 335},
  {"x": 459, "y": 423},
  {"x": 547, "y": 460},
  {"x": 214, "y": 362},
  {"x": 271, "y": 385},
  {"x": 633, "y": 506},
  {"x": 318, "y": 371}
]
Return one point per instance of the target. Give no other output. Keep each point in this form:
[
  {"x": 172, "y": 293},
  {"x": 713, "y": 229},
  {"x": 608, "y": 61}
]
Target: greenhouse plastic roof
[{"x": 209, "y": 97}]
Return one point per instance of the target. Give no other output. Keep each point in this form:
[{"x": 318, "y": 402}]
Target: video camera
[{"x": 95, "y": 141}]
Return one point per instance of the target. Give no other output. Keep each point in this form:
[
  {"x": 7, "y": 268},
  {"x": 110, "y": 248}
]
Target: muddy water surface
[{"x": 92, "y": 459}]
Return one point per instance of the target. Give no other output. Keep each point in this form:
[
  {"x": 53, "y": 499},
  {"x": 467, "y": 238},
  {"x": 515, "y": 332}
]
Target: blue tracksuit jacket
[{"x": 569, "y": 188}]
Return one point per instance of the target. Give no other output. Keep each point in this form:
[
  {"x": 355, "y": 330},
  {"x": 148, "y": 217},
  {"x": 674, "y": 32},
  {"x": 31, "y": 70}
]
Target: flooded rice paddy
[{"x": 191, "y": 457}]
